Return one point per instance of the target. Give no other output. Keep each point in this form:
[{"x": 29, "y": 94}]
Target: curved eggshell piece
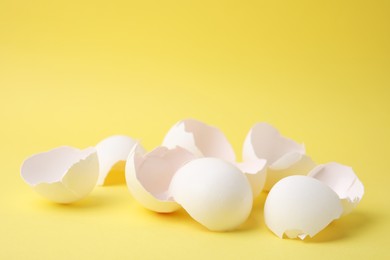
[
  {"x": 298, "y": 206},
  {"x": 200, "y": 139},
  {"x": 343, "y": 180},
  {"x": 149, "y": 175},
  {"x": 214, "y": 192},
  {"x": 64, "y": 174},
  {"x": 112, "y": 150}
]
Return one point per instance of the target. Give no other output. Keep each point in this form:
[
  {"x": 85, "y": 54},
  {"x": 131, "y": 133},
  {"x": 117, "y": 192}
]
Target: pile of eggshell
[{"x": 196, "y": 168}]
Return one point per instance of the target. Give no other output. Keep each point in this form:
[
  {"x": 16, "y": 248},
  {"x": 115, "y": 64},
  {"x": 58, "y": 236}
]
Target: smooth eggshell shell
[
  {"x": 214, "y": 192},
  {"x": 300, "y": 205},
  {"x": 149, "y": 175},
  {"x": 112, "y": 150},
  {"x": 64, "y": 174}
]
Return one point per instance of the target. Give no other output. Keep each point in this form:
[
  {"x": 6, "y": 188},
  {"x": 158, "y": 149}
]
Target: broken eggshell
[
  {"x": 342, "y": 180},
  {"x": 298, "y": 206},
  {"x": 284, "y": 156},
  {"x": 214, "y": 192},
  {"x": 208, "y": 141},
  {"x": 200, "y": 139},
  {"x": 64, "y": 174},
  {"x": 111, "y": 151},
  {"x": 149, "y": 175},
  {"x": 256, "y": 172}
]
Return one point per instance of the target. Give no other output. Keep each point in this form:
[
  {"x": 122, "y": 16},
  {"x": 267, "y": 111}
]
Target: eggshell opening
[
  {"x": 298, "y": 206},
  {"x": 214, "y": 192},
  {"x": 64, "y": 174},
  {"x": 200, "y": 139},
  {"x": 111, "y": 151},
  {"x": 342, "y": 180},
  {"x": 148, "y": 176},
  {"x": 264, "y": 141}
]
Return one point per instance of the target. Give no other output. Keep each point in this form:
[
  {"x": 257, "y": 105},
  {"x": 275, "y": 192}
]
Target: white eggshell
[
  {"x": 343, "y": 180},
  {"x": 298, "y": 164},
  {"x": 200, "y": 139},
  {"x": 64, "y": 174},
  {"x": 214, "y": 192},
  {"x": 148, "y": 176},
  {"x": 112, "y": 150},
  {"x": 284, "y": 156},
  {"x": 256, "y": 172},
  {"x": 298, "y": 206}
]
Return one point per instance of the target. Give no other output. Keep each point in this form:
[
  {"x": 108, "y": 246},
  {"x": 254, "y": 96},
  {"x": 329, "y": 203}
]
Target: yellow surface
[{"x": 75, "y": 72}]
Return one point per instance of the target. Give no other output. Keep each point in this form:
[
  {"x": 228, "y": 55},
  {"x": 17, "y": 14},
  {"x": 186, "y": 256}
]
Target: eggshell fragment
[
  {"x": 343, "y": 180},
  {"x": 200, "y": 139},
  {"x": 284, "y": 156},
  {"x": 149, "y": 175},
  {"x": 256, "y": 172},
  {"x": 298, "y": 206},
  {"x": 214, "y": 192},
  {"x": 64, "y": 174},
  {"x": 111, "y": 151}
]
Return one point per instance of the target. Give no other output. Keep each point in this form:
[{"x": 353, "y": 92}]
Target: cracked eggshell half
[
  {"x": 62, "y": 175},
  {"x": 298, "y": 206},
  {"x": 149, "y": 175},
  {"x": 342, "y": 180},
  {"x": 214, "y": 192},
  {"x": 284, "y": 156},
  {"x": 111, "y": 151},
  {"x": 200, "y": 139}
]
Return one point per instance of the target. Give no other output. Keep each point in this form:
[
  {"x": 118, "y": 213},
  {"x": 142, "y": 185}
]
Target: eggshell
[
  {"x": 111, "y": 151},
  {"x": 64, "y": 174},
  {"x": 200, "y": 139},
  {"x": 256, "y": 172},
  {"x": 290, "y": 164},
  {"x": 214, "y": 192},
  {"x": 149, "y": 175},
  {"x": 343, "y": 180},
  {"x": 284, "y": 156},
  {"x": 298, "y": 206}
]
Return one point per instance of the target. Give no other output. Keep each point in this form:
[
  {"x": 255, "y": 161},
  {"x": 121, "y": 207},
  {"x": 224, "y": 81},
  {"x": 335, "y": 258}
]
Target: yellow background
[{"x": 75, "y": 72}]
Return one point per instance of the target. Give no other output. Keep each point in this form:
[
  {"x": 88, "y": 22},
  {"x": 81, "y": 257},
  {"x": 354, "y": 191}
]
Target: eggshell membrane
[
  {"x": 255, "y": 171},
  {"x": 284, "y": 156},
  {"x": 343, "y": 180},
  {"x": 200, "y": 139},
  {"x": 111, "y": 151},
  {"x": 214, "y": 192},
  {"x": 64, "y": 174},
  {"x": 298, "y": 206},
  {"x": 148, "y": 176}
]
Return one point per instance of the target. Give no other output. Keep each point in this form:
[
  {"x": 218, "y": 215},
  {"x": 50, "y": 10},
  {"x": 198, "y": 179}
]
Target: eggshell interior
[
  {"x": 264, "y": 141},
  {"x": 214, "y": 192},
  {"x": 298, "y": 206},
  {"x": 200, "y": 139},
  {"x": 64, "y": 174},
  {"x": 148, "y": 176},
  {"x": 343, "y": 180}
]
